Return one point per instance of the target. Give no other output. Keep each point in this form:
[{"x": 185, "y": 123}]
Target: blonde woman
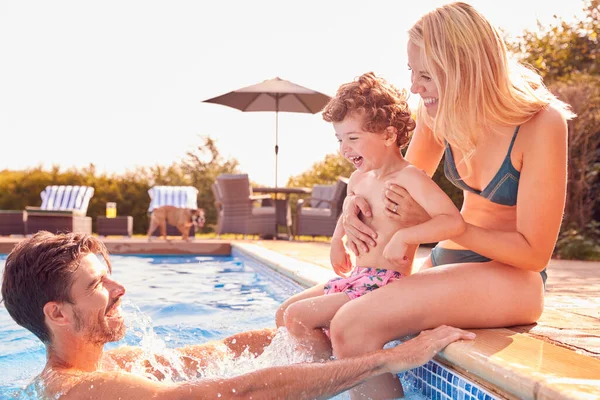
[{"x": 504, "y": 136}]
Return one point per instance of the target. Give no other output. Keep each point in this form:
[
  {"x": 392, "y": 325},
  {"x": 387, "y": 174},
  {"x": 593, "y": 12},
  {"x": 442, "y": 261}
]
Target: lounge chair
[
  {"x": 63, "y": 209},
  {"x": 318, "y": 215},
  {"x": 176, "y": 196},
  {"x": 236, "y": 210}
]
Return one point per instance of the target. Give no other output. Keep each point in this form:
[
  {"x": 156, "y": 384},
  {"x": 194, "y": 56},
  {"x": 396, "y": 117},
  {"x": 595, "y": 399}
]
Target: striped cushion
[
  {"x": 177, "y": 196},
  {"x": 68, "y": 198}
]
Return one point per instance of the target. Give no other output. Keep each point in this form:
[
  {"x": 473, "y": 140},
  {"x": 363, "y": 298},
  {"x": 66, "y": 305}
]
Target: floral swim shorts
[{"x": 362, "y": 281}]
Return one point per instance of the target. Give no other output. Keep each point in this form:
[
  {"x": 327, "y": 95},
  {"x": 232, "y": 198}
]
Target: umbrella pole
[{"x": 276, "y": 135}]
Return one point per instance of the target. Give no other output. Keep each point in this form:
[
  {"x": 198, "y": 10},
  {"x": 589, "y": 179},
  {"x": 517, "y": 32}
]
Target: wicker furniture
[
  {"x": 121, "y": 226},
  {"x": 63, "y": 209},
  {"x": 236, "y": 210},
  {"x": 282, "y": 206},
  {"x": 12, "y": 222},
  {"x": 318, "y": 215}
]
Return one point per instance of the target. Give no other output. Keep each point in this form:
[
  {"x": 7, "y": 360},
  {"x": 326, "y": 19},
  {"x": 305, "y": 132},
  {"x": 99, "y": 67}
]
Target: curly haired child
[{"x": 372, "y": 123}]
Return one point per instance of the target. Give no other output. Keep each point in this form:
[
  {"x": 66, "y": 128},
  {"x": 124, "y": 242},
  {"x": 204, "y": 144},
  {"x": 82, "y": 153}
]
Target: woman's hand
[
  {"x": 401, "y": 207},
  {"x": 359, "y": 235}
]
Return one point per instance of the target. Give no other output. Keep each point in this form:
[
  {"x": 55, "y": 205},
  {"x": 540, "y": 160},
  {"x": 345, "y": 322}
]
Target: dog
[{"x": 181, "y": 218}]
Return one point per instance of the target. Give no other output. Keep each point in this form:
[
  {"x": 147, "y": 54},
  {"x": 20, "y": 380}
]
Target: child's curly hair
[{"x": 379, "y": 101}]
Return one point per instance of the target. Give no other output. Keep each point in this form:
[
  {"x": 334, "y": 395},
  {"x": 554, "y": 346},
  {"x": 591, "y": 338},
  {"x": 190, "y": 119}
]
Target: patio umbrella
[{"x": 274, "y": 95}]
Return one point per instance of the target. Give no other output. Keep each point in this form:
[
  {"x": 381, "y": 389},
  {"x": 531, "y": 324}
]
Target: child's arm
[
  {"x": 445, "y": 223},
  {"x": 339, "y": 257}
]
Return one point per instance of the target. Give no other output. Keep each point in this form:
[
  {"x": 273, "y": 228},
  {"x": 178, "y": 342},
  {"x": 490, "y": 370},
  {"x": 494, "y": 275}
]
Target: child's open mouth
[{"x": 357, "y": 161}]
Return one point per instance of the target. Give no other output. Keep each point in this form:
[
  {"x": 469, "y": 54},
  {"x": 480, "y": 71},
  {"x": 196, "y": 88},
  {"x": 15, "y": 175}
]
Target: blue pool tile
[
  {"x": 436, "y": 382},
  {"x": 428, "y": 391},
  {"x": 454, "y": 392}
]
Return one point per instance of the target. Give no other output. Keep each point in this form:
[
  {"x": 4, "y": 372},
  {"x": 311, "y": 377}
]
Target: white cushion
[{"x": 177, "y": 196}]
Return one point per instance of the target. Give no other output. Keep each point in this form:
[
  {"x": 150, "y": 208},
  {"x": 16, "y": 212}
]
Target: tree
[
  {"x": 201, "y": 168},
  {"x": 561, "y": 49},
  {"x": 324, "y": 172},
  {"x": 582, "y": 92},
  {"x": 568, "y": 57}
]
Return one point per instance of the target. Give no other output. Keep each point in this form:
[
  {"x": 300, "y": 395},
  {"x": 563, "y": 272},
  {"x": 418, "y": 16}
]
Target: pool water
[{"x": 173, "y": 301}]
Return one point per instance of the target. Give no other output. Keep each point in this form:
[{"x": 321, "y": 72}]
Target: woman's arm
[
  {"x": 424, "y": 152},
  {"x": 540, "y": 202},
  {"x": 446, "y": 221}
]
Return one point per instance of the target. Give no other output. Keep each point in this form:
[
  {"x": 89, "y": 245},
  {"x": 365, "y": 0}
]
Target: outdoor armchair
[
  {"x": 318, "y": 215},
  {"x": 237, "y": 208}
]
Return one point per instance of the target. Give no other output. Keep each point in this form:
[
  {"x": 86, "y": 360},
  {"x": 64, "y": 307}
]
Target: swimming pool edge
[{"x": 509, "y": 364}]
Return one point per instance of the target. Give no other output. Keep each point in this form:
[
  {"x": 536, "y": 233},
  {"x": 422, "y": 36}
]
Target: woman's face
[{"x": 421, "y": 82}]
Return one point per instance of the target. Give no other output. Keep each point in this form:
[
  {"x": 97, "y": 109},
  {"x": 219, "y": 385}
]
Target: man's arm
[
  {"x": 197, "y": 356},
  {"x": 298, "y": 381}
]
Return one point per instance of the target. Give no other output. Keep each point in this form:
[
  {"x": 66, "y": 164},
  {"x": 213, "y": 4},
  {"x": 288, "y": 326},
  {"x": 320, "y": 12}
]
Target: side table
[{"x": 122, "y": 226}]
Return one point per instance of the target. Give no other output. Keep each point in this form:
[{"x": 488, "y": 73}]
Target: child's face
[
  {"x": 421, "y": 82},
  {"x": 363, "y": 149}
]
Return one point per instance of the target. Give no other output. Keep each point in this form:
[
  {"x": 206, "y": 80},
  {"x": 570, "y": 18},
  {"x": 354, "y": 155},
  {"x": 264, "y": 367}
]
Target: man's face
[{"x": 96, "y": 310}]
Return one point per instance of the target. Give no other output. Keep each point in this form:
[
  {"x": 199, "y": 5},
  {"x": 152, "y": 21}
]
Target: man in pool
[{"x": 59, "y": 287}]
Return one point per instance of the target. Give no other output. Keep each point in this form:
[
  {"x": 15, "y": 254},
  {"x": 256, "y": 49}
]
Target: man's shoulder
[{"x": 67, "y": 385}]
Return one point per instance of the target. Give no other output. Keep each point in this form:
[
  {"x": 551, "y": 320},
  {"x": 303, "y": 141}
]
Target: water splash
[{"x": 283, "y": 350}]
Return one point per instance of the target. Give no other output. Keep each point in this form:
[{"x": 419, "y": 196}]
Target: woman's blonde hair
[{"x": 477, "y": 85}]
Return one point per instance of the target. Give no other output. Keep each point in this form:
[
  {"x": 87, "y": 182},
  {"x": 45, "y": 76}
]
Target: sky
[{"x": 120, "y": 83}]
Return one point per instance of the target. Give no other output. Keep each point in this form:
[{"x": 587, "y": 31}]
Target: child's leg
[
  {"x": 305, "y": 319},
  {"x": 305, "y": 294}
]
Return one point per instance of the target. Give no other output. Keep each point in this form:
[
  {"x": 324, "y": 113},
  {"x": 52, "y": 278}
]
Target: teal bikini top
[{"x": 502, "y": 189}]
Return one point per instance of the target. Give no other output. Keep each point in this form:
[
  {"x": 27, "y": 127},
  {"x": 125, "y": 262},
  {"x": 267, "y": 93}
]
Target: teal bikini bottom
[{"x": 441, "y": 256}]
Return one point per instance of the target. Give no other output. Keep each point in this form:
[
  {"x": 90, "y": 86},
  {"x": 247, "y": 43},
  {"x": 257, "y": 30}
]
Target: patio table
[{"x": 282, "y": 206}]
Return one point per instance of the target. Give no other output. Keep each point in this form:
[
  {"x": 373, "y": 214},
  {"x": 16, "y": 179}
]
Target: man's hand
[
  {"x": 359, "y": 235},
  {"x": 340, "y": 259},
  {"x": 419, "y": 350}
]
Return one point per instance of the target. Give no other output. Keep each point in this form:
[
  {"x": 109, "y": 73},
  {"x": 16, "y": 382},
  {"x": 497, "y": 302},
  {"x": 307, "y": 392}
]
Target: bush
[{"x": 579, "y": 244}]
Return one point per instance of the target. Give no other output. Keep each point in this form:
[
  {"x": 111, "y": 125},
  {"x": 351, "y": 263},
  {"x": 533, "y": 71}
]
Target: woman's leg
[
  {"x": 305, "y": 320},
  {"x": 314, "y": 291},
  {"x": 471, "y": 295}
]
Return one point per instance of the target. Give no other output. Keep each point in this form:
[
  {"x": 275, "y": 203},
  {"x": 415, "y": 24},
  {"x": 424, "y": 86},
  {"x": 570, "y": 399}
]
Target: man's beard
[{"x": 96, "y": 328}]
